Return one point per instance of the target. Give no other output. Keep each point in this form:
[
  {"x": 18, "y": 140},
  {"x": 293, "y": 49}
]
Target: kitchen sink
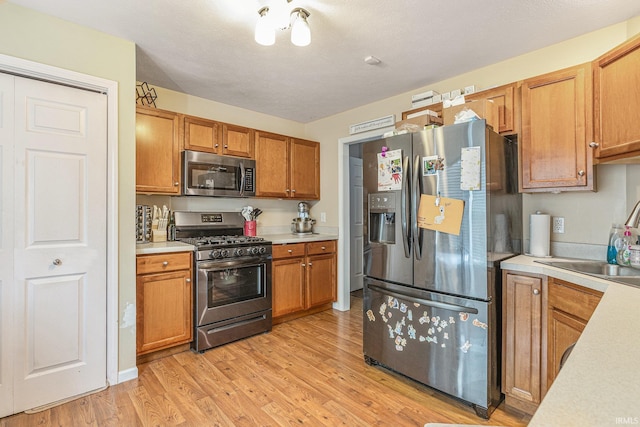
[{"x": 615, "y": 273}]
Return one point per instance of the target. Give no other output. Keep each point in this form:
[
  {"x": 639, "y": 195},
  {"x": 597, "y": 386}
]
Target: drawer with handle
[
  {"x": 323, "y": 247},
  {"x": 287, "y": 251},
  {"x": 158, "y": 263}
]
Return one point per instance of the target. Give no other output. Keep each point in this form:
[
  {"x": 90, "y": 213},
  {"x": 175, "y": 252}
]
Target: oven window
[
  {"x": 212, "y": 177},
  {"x": 231, "y": 285}
]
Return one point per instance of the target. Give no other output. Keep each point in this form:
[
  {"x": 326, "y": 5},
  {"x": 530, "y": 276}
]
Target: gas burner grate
[{"x": 221, "y": 240}]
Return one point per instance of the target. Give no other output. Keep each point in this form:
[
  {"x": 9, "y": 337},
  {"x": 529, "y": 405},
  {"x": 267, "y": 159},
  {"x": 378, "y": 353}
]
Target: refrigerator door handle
[
  {"x": 405, "y": 223},
  {"x": 436, "y": 304},
  {"x": 415, "y": 203}
]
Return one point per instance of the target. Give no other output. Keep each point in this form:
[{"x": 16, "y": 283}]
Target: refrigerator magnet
[
  {"x": 470, "y": 168},
  {"x": 390, "y": 170},
  {"x": 431, "y": 165}
]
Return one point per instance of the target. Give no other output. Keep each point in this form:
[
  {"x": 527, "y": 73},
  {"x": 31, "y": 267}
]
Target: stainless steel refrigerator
[{"x": 432, "y": 298}]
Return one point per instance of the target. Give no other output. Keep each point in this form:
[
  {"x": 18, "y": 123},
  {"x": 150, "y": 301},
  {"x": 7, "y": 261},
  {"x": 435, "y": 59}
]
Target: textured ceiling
[{"x": 206, "y": 48}]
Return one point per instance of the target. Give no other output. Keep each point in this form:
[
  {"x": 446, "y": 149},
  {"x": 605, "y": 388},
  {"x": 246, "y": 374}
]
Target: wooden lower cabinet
[
  {"x": 164, "y": 301},
  {"x": 569, "y": 309},
  {"x": 523, "y": 340},
  {"x": 303, "y": 279},
  {"x": 542, "y": 318}
]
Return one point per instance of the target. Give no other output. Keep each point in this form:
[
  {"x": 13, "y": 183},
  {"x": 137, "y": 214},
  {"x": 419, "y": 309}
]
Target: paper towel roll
[{"x": 539, "y": 234}]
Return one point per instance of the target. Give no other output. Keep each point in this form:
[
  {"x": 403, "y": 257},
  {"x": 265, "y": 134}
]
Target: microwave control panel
[{"x": 248, "y": 179}]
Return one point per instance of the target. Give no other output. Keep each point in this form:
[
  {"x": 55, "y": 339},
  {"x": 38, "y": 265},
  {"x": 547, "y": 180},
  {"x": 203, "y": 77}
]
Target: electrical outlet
[
  {"x": 558, "y": 224},
  {"x": 323, "y": 217}
]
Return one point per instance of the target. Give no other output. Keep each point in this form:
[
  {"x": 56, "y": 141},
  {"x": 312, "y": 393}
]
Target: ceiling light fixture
[{"x": 278, "y": 15}]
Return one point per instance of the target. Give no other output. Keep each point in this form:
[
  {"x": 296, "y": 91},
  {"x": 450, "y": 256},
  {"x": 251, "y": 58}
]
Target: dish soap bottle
[
  {"x": 615, "y": 241},
  {"x": 624, "y": 252}
]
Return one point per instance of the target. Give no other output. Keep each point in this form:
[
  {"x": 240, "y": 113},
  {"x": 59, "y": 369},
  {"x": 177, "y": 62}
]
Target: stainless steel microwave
[{"x": 206, "y": 174}]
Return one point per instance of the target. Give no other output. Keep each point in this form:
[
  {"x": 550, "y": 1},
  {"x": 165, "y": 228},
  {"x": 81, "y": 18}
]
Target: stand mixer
[{"x": 303, "y": 224}]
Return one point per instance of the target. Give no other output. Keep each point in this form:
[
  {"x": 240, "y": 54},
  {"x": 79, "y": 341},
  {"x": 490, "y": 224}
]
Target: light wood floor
[{"x": 308, "y": 371}]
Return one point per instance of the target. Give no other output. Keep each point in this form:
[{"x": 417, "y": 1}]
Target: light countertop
[
  {"x": 162, "y": 247},
  {"x": 278, "y": 239},
  {"x": 600, "y": 383}
]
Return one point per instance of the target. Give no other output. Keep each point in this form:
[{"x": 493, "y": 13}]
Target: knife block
[{"x": 158, "y": 236}]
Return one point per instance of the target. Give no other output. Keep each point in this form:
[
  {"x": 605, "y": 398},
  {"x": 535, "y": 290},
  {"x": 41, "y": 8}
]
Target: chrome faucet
[{"x": 634, "y": 219}]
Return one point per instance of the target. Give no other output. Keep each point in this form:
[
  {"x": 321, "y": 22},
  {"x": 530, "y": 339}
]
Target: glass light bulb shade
[
  {"x": 264, "y": 34},
  {"x": 300, "y": 31}
]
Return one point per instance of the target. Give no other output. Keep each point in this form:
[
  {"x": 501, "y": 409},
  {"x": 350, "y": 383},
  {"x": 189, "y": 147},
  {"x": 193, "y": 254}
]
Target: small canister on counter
[{"x": 250, "y": 228}]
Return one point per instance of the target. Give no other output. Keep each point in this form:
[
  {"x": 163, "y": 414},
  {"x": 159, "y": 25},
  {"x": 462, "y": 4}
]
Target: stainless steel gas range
[{"x": 232, "y": 292}]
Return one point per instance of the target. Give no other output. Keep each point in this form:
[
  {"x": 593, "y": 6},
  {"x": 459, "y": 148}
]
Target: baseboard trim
[{"x": 127, "y": 374}]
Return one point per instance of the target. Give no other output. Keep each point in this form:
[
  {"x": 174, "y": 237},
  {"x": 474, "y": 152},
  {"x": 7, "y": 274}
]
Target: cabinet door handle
[
  {"x": 290, "y": 251},
  {"x": 310, "y": 264},
  {"x": 226, "y": 146},
  {"x": 594, "y": 145},
  {"x": 293, "y": 191},
  {"x": 287, "y": 190},
  {"x": 175, "y": 184},
  {"x": 536, "y": 291},
  {"x": 188, "y": 280},
  {"x": 165, "y": 263},
  {"x": 580, "y": 173},
  {"x": 323, "y": 248},
  {"x": 303, "y": 264},
  {"x": 57, "y": 261}
]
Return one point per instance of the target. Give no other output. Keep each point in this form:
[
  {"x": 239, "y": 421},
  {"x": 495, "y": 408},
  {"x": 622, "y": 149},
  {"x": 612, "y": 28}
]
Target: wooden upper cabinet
[
  {"x": 617, "y": 102},
  {"x": 504, "y": 99},
  {"x": 202, "y": 135},
  {"x": 304, "y": 169},
  {"x": 287, "y": 168},
  {"x": 157, "y": 151},
  {"x": 237, "y": 141},
  {"x": 556, "y": 131},
  {"x": 272, "y": 165}
]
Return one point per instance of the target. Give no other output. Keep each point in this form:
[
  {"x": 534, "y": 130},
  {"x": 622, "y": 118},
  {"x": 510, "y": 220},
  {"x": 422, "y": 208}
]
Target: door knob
[{"x": 57, "y": 261}]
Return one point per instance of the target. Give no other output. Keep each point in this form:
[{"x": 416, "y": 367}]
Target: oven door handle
[{"x": 222, "y": 264}]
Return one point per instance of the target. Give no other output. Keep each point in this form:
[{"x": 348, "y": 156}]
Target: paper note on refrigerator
[
  {"x": 470, "y": 168},
  {"x": 390, "y": 170},
  {"x": 440, "y": 214}
]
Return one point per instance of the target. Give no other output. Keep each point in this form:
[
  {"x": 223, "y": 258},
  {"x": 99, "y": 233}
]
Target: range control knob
[
  {"x": 255, "y": 250},
  {"x": 263, "y": 249},
  {"x": 215, "y": 253},
  {"x": 224, "y": 253},
  {"x": 239, "y": 252}
]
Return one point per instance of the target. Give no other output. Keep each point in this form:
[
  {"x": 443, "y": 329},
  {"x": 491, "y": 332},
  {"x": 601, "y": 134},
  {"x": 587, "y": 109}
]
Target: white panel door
[
  {"x": 6, "y": 245},
  {"x": 60, "y": 242},
  {"x": 356, "y": 223}
]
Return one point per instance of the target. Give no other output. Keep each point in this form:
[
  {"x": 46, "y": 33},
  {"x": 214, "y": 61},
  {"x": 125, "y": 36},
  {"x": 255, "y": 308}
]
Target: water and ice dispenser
[{"x": 382, "y": 217}]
